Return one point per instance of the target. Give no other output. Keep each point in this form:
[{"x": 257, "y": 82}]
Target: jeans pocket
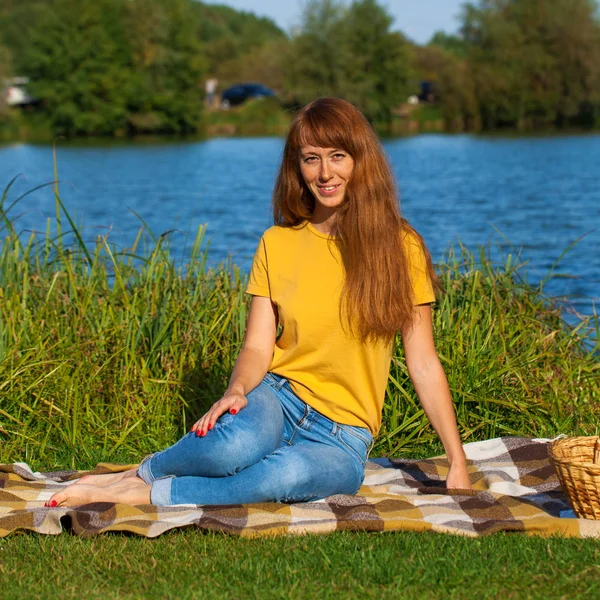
[{"x": 358, "y": 443}]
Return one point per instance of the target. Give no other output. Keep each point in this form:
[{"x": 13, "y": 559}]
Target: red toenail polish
[
  {"x": 53, "y": 503},
  {"x": 233, "y": 411}
]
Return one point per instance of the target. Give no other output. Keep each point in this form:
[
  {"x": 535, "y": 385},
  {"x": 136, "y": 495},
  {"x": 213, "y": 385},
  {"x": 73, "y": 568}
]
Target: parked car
[
  {"x": 238, "y": 94},
  {"x": 16, "y": 93}
]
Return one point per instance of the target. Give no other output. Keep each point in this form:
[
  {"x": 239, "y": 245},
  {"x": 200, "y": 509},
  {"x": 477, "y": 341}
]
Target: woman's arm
[
  {"x": 430, "y": 383},
  {"x": 251, "y": 365}
]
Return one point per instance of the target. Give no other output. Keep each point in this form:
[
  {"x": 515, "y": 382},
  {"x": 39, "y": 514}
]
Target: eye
[
  {"x": 339, "y": 156},
  {"x": 310, "y": 159}
]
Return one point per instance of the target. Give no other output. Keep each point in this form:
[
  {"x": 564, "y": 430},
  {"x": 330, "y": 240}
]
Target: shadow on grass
[{"x": 200, "y": 388}]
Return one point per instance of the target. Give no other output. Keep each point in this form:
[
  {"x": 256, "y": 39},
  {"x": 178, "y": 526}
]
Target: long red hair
[{"x": 377, "y": 299}]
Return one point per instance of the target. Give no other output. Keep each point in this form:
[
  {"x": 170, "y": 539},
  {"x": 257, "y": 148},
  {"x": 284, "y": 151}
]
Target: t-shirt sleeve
[
  {"x": 421, "y": 282},
  {"x": 258, "y": 284}
]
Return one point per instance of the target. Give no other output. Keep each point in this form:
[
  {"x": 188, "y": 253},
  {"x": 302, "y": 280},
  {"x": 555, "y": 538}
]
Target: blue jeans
[{"x": 276, "y": 449}]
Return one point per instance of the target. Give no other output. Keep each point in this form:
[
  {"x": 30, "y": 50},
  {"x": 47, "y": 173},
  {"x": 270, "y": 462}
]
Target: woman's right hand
[{"x": 231, "y": 402}]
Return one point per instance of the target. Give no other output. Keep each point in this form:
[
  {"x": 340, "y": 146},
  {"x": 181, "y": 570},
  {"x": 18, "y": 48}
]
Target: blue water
[{"x": 536, "y": 195}]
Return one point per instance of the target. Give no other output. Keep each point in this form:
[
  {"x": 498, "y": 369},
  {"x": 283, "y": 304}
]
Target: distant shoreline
[
  {"x": 224, "y": 132},
  {"x": 269, "y": 119}
]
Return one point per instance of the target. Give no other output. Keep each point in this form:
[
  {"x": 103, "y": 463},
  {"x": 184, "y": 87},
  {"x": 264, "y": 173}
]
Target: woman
[{"x": 340, "y": 273}]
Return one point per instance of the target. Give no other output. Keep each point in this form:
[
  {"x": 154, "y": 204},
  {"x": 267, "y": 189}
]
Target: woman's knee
[
  {"x": 238, "y": 441},
  {"x": 305, "y": 474},
  {"x": 234, "y": 443}
]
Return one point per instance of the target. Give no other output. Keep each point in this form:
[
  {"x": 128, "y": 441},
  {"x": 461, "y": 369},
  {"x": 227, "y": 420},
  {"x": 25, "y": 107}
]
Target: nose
[{"x": 324, "y": 174}]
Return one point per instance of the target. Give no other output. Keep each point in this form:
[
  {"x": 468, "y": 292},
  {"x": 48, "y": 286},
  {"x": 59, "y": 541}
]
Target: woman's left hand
[{"x": 458, "y": 478}]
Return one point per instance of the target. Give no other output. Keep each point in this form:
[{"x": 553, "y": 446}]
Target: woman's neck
[{"x": 323, "y": 221}]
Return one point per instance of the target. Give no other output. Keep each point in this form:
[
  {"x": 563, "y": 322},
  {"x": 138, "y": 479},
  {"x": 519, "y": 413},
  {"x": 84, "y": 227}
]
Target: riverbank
[
  {"x": 107, "y": 356},
  {"x": 267, "y": 117},
  {"x": 255, "y": 118}
]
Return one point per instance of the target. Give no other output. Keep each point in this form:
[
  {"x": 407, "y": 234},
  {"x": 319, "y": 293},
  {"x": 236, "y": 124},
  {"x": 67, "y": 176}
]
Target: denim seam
[
  {"x": 290, "y": 442},
  {"x": 351, "y": 449},
  {"x": 299, "y": 424},
  {"x": 349, "y": 431}
]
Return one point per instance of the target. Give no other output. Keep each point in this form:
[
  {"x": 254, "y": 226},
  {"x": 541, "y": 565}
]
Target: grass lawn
[{"x": 194, "y": 564}]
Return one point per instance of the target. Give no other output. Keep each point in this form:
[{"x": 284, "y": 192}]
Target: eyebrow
[{"x": 334, "y": 151}]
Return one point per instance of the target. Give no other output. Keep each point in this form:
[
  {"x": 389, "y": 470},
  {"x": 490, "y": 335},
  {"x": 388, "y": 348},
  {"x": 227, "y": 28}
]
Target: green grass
[
  {"x": 196, "y": 564},
  {"x": 107, "y": 355},
  {"x": 260, "y": 117},
  {"x": 25, "y": 125}
]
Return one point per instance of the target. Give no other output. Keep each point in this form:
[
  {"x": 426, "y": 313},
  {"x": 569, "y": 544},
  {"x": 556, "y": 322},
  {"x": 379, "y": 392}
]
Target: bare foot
[
  {"x": 131, "y": 490},
  {"x": 106, "y": 479}
]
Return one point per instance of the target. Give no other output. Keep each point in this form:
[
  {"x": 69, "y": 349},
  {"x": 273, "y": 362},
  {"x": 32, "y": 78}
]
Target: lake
[{"x": 533, "y": 195}]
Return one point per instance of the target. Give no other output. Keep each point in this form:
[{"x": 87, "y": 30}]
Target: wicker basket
[{"x": 577, "y": 464}]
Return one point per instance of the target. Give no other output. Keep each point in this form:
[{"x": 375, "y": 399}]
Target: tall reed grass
[{"x": 108, "y": 355}]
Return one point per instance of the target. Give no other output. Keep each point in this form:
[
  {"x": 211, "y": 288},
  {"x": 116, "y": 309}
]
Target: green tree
[
  {"x": 167, "y": 67},
  {"x": 265, "y": 64},
  {"x": 451, "y": 44},
  {"x": 77, "y": 67},
  {"x": 110, "y": 66},
  {"x": 349, "y": 51},
  {"x": 378, "y": 75},
  {"x": 230, "y": 37},
  {"x": 454, "y": 86},
  {"x": 534, "y": 62},
  {"x": 18, "y": 18},
  {"x": 318, "y": 58}
]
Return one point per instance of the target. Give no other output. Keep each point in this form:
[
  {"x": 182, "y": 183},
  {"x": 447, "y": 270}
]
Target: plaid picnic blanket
[{"x": 515, "y": 489}]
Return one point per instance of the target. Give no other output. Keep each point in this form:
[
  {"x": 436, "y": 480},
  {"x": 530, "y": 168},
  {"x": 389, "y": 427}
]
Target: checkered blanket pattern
[{"x": 515, "y": 489}]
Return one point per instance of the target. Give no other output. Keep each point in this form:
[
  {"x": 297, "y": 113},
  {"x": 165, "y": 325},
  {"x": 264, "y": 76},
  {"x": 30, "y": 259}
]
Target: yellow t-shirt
[{"x": 335, "y": 373}]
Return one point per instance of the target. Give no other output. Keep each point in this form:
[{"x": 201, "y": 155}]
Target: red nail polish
[
  {"x": 45, "y": 504},
  {"x": 197, "y": 433},
  {"x": 209, "y": 427},
  {"x": 233, "y": 411},
  {"x": 53, "y": 503}
]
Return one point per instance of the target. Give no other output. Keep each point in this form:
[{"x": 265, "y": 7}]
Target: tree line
[
  {"x": 125, "y": 67},
  {"x": 116, "y": 66}
]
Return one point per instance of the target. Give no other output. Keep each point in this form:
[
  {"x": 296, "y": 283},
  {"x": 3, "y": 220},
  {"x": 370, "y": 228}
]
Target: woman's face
[{"x": 326, "y": 172}]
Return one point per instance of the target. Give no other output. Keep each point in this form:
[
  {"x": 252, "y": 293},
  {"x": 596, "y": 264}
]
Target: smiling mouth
[{"x": 328, "y": 188}]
